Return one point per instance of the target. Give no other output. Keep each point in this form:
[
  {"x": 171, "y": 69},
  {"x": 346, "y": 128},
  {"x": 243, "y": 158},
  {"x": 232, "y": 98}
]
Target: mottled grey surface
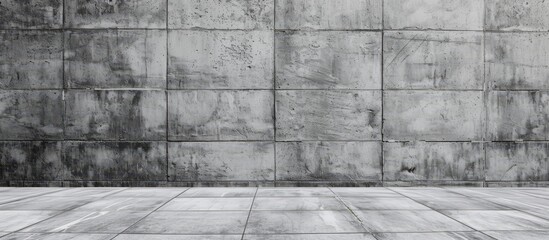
[
  {"x": 326, "y": 60},
  {"x": 31, "y": 59},
  {"x": 433, "y": 60},
  {"x": 274, "y": 93}
]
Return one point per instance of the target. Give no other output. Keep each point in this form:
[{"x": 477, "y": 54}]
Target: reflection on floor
[{"x": 274, "y": 213}]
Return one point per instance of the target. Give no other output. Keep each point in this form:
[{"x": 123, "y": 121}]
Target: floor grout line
[
  {"x": 249, "y": 213},
  {"x": 351, "y": 211}
]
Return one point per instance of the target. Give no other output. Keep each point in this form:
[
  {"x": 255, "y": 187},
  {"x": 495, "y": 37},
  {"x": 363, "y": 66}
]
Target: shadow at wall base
[{"x": 22, "y": 183}]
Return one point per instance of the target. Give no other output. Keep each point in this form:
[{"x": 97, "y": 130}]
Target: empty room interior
[{"x": 274, "y": 119}]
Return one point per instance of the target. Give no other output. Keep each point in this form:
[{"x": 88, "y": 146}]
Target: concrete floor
[{"x": 274, "y": 213}]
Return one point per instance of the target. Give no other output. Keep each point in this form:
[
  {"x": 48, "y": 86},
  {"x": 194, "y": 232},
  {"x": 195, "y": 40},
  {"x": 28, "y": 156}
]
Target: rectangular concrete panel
[
  {"x": 220, "y": 59},
  {"x": 209, "y": 115},
  {"x": 31, "y": 59},
  {"x": 115, "y": 115},
  {"x": 328, "y": 60},
  {"x": 328, "y": 115},
  {"x": 115, "y": 58},
  {"x": 517, "y": 15},
  {"x": 31, "y": 115},
  {"x": 31, "y": 161},
  {"x": 510, "y": 161},
  {"x": 221, "y": 161},
  {"x": 328, "y": 14},
  {"x": 436, "y": 161},
  {"x": 112, "y": 161},
  {"x": 517, "y": 61},
  {"x": 433, "y": 116},
  {"x": 328, "y": 161},
  {"x": 433, "y": 14},
  {"x": 433, "y": 60},
  {"x": 518, "y": 115},
  {"x": 214, "y": 14},
  {"x": 36, "y": 14},
  {"x": 115, "y": 14}
]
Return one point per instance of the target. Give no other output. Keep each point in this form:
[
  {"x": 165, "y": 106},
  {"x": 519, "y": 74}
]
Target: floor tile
[
  {"x": 88, "y": 222},
  {"x": 14, "y": 220},
  {"x": 262, "y": 222},
  {"x": 498, "y": 220},
  {"x": 408, "y": 221},
  {"x": 184, "y": 204},
  {"x": 462, "y": 203},
  {"x": 522, "y": 203},
  {"x": 202, "y": 222},
  {"x": 58, "y": 236},
  {"x": 364, "y": 192},
  {"x": 294, "y": 192},
  {"x": 88, "y": 192},
  {"x": 433, "y": 236},
  {"x": 487, "y": 192},
  {"x": 301, "y": 204},
  {"x": 349, "y": 236},
  {"x": 541, "y": 213},
  {"x": 167, "y": 193},
  {"x": 7, "y": 199},
  {"x": 219, "y": 192},
  {"x": 30, "y": 191},
  {"x": 46, "y": 203},
  {"x": 176, "y": 237},
  {"x": 426, "y": 193},
  {"x": 400, "y": 203},
  {"x": 512, "y": 235},
  {"x": 123, "y": 204}
]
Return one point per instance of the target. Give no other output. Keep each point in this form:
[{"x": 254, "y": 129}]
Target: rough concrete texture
[
  {"x": 328, "y": 161},
  {"x": 220, "y": 59},
  {"x": 517, "y": 61},
  {"x": 518, "y": 115},
  {"x": 115, "y": 58},
  {"x": 433, "y": 14},
  {"x": 115, "y": 14},
  {"x": 115, "y": 115},
  {"x": 328, "y": 115},
  {"x": 274, "y": 92},
  {"x": 433, "y": 116},
  {"x": 215, "y": 14},
  {"x": 328, "y": 60},
  {"x": 31, "y": 59},
  {"x": 517, "y": 15},
  {"x": 433, "y": 60},
  {"x": 328, "y": 14},
  {"x": 221, "y": 161},
  {"x": 447, "y": 161}
]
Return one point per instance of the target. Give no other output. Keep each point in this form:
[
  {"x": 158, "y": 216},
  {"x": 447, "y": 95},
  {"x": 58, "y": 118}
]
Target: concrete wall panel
[
  {"x": 31, "y": 161},
  {"x": 328, "y": 60},
  {"x": 510, "y": 161},
  {"x": 517, "y": 15},
  {"x": 36, "y": 14}
]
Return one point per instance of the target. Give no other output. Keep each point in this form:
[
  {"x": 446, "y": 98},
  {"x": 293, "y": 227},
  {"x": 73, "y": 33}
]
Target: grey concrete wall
[{"x": 274, "y": 92}]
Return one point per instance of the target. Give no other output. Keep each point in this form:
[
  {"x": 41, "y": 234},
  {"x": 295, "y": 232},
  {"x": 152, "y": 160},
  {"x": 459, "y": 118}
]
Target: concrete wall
[{"x": 274, "y": 92}]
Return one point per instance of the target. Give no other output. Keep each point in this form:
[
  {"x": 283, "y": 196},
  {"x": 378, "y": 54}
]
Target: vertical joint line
[
  {"x": 167, "y": 95},
  {"x": 274, "y": 89}
]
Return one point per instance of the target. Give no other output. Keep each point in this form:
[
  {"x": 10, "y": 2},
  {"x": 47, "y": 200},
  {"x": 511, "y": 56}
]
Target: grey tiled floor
[{"x": 274, "y": 213}]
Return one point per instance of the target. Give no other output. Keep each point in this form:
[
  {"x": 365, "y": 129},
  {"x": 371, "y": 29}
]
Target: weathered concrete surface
[
  {"x": 115, "y": 14},
  {"x": 115, "y": 115},
  {"x": 433, "y": 14},
  {"x": 509, "y": 161},
  {"x": 31, "y": 115},
  {"x": 36, "y": 14},
  {"x": 328, "y": 115},
  {"x": 518, "y": 115},
  {"x": 215, "y": 14},
  {"x": 32, "y": 161},
  {"x": 115, "y": 58},
  {"x": 433, "y": 60},
  {"x": 31, "y": 59},
  {"x": 128, "y": 161},
  {"x": 517, "y": 15},
  {"x": 220, "y": 115},
  {"x": 446, "y": 161},
  {"x": 517, "y": 60},
  {"x": 221, "y": 161},
  {"x": 328, "y": 161},
  {"x": 220, "y": 59},
  {"x": 433, "y": 116},
  {"x": 326, "y": 60},
  {"x": 328, "y": 14}
]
